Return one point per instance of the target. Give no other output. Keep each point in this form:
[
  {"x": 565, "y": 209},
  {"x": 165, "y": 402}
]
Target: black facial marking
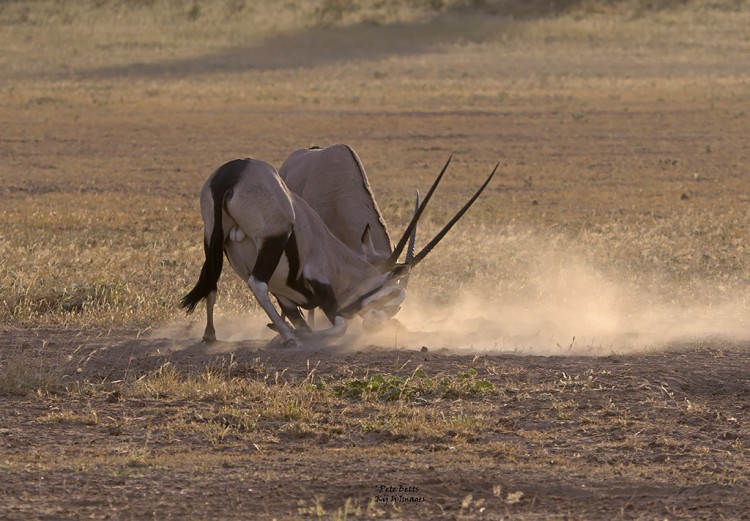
[{"x": 356, "y": 306}]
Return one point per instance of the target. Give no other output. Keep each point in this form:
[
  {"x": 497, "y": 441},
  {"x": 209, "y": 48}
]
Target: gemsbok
[
  {"x": 333, "y": 182},
  {"x": 279, "y": 245}
]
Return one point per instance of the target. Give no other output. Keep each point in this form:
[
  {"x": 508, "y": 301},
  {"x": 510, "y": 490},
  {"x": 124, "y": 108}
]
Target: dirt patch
[{"x": 638, "y": 436}]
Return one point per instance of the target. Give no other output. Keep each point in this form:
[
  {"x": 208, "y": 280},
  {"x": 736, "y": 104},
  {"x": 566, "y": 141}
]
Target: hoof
[
  {"x": 292, "y": 342},
  {"x": 303, "y": 332},
  {"x": 209, "y": 335}
]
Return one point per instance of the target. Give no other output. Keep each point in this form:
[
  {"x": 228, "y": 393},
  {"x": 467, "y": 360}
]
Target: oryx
[
  {"x": 277, "y": 243},
  {"x": 333, "y": 182}
]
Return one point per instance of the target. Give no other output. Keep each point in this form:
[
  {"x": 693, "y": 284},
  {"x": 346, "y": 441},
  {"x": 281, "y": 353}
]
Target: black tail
[{"x": 221, "y": 190}]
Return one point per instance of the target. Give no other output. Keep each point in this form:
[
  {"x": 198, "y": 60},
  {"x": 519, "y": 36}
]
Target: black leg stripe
[
  {"x": 268, "y": 257},
  {"x": 326, "y": 299},
  {"x": 294, "y": 279}
]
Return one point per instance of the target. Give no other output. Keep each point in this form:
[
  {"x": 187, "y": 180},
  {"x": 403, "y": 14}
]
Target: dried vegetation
[{"x": 621, "y": 205}]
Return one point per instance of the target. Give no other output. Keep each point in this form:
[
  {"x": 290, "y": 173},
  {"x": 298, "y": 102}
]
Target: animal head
[{"x": 378, "y": 295}]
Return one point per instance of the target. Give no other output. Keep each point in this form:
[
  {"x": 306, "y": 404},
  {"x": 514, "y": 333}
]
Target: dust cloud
[
  {"x": 536, "y": 297},
  {"x": 561, "y": 305}
]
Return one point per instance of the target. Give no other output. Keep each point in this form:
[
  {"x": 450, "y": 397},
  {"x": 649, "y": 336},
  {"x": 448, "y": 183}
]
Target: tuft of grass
[
  {"x": 245, "y": 406},
  {"x": 85, "y": 417},
  {"x": 229, "y": 409},
  {"x": 21, "y": 374},
  {"x": 417, "y": 385}
]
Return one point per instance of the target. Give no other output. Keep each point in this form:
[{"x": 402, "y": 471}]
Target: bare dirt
[
  {"x": 658, "y": 433},
  {"x": 655, "y": 435}
]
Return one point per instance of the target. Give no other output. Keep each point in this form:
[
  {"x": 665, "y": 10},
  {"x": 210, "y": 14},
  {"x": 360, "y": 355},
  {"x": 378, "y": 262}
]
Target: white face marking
[
  {"x": 396, "y": 293},
  {"x": 387, "y": 301}
]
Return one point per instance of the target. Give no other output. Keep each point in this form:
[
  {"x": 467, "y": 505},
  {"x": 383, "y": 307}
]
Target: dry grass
[
  {"x": 620, "y": 208},
  {"x": 231, "y": 420},
  {"x": 617, "y": 129},
  {"x": 22, "y": 374}
]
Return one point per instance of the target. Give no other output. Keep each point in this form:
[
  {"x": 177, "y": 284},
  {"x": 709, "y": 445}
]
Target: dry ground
[
  {"x": 243, "y": 431},
  {"x": 619, "y": 216}
]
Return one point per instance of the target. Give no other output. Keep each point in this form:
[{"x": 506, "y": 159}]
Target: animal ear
[{"x": 368, "y": 248}]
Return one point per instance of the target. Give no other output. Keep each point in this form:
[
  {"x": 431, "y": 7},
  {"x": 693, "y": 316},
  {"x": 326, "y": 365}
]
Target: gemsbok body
[
  {"x": 332, "y": 180},
  {"x": 279, "y": 245}
]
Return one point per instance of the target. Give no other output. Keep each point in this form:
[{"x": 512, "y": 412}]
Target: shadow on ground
[{"x": 319, "y": 46}]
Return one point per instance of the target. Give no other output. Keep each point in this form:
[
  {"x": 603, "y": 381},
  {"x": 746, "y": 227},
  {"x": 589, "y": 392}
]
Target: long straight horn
[
  {"x": 422, "y": 254},
  {"x": 413, "y": 236},
  {"x": 393, "y": 259}
]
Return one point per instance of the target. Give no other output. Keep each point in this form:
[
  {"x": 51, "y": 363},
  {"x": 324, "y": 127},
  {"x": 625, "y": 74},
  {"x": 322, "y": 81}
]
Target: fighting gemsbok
[
  {"x": 333, "y": 182},
  {"x": 279, "y": 245}
]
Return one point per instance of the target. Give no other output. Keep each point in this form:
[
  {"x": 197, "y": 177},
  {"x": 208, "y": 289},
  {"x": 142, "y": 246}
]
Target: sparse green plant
[
  {"x": 584, "y": 229},
  {"x": 417, "y": 385}
]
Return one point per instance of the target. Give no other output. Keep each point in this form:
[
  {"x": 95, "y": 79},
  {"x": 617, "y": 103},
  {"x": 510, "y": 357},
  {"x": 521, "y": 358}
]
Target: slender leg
[
  {"x": 337, "y": 329},
  {"x": 260, "y": 290},
  {"x": 292, "y": 312},
  {"x": 328, "y": 302},
  {"x": 209, "y": 334},
  {"x": 311, "y": 318},
  {"x": 265, "y": 264},
  {"x": 338, "y": 325}
]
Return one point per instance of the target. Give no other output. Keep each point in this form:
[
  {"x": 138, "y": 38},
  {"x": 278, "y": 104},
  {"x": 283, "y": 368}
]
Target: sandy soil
[{"x": 637, "y": 437}]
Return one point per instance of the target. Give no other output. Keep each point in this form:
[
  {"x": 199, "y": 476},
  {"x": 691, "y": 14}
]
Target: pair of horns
[{"x": 410, "y": 232}]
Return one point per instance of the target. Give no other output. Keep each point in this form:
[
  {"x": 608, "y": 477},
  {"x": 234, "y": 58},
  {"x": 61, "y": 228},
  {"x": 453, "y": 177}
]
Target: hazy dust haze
[
  {"x": 550, "y": 299},
  {"x": 546, "y": 299},
  {"x": 583, "y": 315}
]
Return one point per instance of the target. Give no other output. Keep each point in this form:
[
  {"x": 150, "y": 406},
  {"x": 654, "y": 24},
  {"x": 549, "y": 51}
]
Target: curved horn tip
[
  {"x": 413, "y": 237},
  {"x": 422, "y": 254},
  {"x": 407, "y": 232}
]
